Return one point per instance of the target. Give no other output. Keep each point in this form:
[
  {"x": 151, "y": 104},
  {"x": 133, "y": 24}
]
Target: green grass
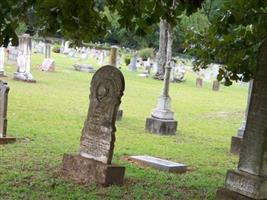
[{"x": 47, "y": 118}]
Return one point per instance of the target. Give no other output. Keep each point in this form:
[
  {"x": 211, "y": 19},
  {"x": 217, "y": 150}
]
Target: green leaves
[{"x": 233, "y": 38}]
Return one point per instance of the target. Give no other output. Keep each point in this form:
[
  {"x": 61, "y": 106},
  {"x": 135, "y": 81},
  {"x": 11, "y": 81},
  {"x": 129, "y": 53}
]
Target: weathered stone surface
[
  {"x": 216, "y": 86},
  {"x": 250, "y": 179},
  {"x": 84, "y": 170},
  {"x": 4, "y": 89},
  {"x": 225, "y": 194},
  {"x": 236, "y": 144},
  {"x": 160, "y": 164},
  {"x": 246, "y": 184},
  {"x": 113, "y": 56},
  {"x": 98, "y": 135},
  {"x": 199, "y": 82},
  {"x": 84, "y": 68},
  {"x": 161, "y": 127},
  {"x": 24, "y": 60}
]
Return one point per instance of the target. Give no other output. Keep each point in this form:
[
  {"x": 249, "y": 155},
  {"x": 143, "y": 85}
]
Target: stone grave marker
[
  {"x": 113, "y": 60},
  {"x": 24, "y": 60},
  {"x": 162, "y": 120},
  {"x": 216, "y": 86},
  {"x": 93, "y": 164},
  {"x": 160, "y": 164},
  {"x": 48, "y": 64},
  {"x": 199, "y": 82},
  {"x": 4, "y": 89},
  {"x": 249, "y": 180}
]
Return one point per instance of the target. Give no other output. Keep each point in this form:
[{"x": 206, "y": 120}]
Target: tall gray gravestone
[
  {"x": 249, "y": 180},
  {"x": 4, "y": 89},
  {"x": 93, "y": 164}
]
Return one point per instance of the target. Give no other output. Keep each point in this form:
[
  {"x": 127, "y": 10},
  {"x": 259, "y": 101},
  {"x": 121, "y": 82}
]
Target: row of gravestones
[
  {"x": 22, "y": 56},
  {"x": 93, "y": 164}
]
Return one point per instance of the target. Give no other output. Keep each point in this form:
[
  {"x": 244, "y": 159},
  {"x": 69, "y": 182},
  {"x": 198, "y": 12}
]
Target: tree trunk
[{"x": 165, "y": 48}]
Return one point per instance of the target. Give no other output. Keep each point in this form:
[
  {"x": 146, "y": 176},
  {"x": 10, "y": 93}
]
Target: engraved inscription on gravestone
[{"x": 97, "y": 141}]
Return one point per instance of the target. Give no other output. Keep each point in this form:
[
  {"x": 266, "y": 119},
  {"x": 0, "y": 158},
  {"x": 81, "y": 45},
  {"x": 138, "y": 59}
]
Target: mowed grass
[{"x": 47, "y": 118}]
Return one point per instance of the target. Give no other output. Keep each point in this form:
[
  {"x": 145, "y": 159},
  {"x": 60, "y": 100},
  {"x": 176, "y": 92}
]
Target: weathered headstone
[
  {"x": 237, "y": 140},
  {"x": 162, "y": 118},
  {"x": 4, "y": 89},
  {"x": 2, "y": 61},
  {"x": 113, "y": 56},
  {"x": 249, "y": 180},
  {"x": 216, "y": 86},
  {"x": 48, "y": 64},
  {"x": 160, "y": 164},
  {"x": 199, "y": 82},
  {"x": 93, "y": 164},
  {"x": 24, "y": 60}
]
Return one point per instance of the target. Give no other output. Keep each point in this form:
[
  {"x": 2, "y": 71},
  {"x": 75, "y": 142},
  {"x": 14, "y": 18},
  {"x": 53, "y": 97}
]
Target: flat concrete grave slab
[{"x": 160, "y": 164}]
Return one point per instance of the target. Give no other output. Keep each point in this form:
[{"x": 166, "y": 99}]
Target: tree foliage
[{"x": 235, "y": 32}]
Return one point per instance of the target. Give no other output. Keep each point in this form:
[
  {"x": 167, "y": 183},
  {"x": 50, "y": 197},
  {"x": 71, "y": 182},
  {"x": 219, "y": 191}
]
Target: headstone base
[
  {"x": 84, "y": 170},
  {"x": 7, "y": 140},
  {"x": 119, "y": 115},
  {"x": 236, "y": 144},
  {"x": 246, "y": 184},
  {"x": 18, "y": 76},
  {"x": 225, "y": 194},
  {"x": 160, "y": 126},
  {"x": 2, "y": 74}
]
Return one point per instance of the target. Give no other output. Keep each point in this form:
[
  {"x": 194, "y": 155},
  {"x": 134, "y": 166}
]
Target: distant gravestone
[
  {"x": 4, "y": 89},
  {"x": 133, "y": 62},
  {"x": 216, "y": 86},
  {"x": 93, "y": 164},
  {"x": 48, "y": 65},
  {"x": 199, "y": 82}
]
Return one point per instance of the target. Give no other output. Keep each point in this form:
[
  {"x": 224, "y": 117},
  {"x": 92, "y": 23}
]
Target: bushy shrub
[
  {"x": 127, "y": 59},
  {"x": 146, "y": 53},
  {"x": 56, "y": 48}
]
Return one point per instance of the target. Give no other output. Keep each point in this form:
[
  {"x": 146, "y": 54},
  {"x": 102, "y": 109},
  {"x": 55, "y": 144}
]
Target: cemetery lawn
[{"x": 47, "y": 118}]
